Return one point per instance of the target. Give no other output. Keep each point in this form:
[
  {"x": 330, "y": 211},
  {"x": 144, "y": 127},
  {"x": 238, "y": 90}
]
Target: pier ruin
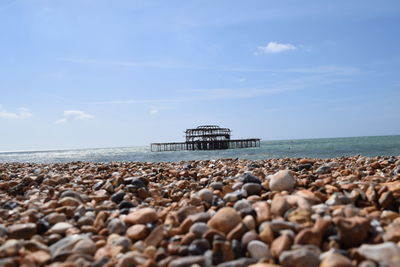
[{"x": 206, "y": 137}]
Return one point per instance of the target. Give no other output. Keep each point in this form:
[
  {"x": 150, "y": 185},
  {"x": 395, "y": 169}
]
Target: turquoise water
[{"x": 313, "y": 148}]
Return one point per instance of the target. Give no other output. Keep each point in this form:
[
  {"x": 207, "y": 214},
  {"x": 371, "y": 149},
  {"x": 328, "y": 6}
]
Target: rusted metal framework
[{"x": 206, "y": 137}]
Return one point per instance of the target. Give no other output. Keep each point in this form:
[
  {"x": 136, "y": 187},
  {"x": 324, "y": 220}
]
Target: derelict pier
[{"x": 206, "y": 137}]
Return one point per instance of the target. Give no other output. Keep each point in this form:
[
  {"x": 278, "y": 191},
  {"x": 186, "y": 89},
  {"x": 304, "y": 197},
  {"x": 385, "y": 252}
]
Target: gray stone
[
  {"x": 252, "y": 188},
  {"x": 10, "y": 248},
  {"x": 187, "y": 261},
  {"x": 338, "y": 199},
  {"x": 116, "y": 226},
  {"x": 3, "y": 230},
  {"x": 72, "y": 244},
  {"x": 323, "y": 170},
  {"x": 217, "y": 186},
  {"x": 258, "y": 249},
  {"x": 60, "y": 228},
  {"x": 249, "y": 178},
  {"x": 298, "y": 258},
  {"x": 199, "y": 228},
  {"x": 122, "y": 241},
  {"x": 205, "y": 195},
  {"x": 242, "y": 262},
  {"x": 242, "y": 204},
  {"x": 73, "y": 194},
  {"x": 385, "y": 253},
  {"x": 55, "y": 217}
]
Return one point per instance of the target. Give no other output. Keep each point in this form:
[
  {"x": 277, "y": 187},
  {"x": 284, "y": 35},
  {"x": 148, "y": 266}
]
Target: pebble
[
  {"x": 205, "y": 195},
  {"x": 336, "y": 260},
  {"x": 299, "y": 258},
  {"x": 141, "y": 216},
  {"x": 323, "y": 170},
  {"x": 258, "y": 249},
  {"x": 282, "y": 181},
  {"x": 21, "y": 231},
  {"x": 60, "y": 228},
  {"x": 353, "y": 231},
  {"x": 224, "y": 220},
  {"x": 249, "y": 178},
  {"x": 116, "y": 226},
  {"x": 280, "y": 244},
  {"x": 118, "y": 197},
  {"x": 201, "y": 213},
  {"x": 198, "y": 229},
  {"x": 279, "y": 205},
  {"x": 187, "y": 261},
  {"x": 252, "y": 188},
  {"x": 72, "y": 244},
  {"x": 137, "y": 232},
  {"x": 387, "y": 253}
]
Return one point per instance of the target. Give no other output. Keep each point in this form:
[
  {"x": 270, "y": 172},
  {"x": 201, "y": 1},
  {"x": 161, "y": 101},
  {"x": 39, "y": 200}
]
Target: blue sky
[{"x": 96, "y": 73}]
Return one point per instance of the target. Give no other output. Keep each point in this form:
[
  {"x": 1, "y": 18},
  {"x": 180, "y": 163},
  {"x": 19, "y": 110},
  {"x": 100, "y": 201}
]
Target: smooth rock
[
  {"x": 252, "y": 188},
  {"x": 21, "y": 231},
  {"x": 118, "y": 197},
  {"x": 279, "y": 205},
  {"x": 55, "y": 217},
  {"x": 392, "y": 233},
  {"x": 205, "y": 195},
  {"x": 258, "y": 249},
  {"x": 299, "y": 258},
  {"x": 280, "y": 244},
  {"x": 60, "y": 228},
  {"x": 137, "y": 232},
  {"x": 116, "y": 226},
  {"x": 199, "y": 229},
  {"x": 3, "y": 231},
  {"x": 187, "y": 261},
  {"x": 249, "y": 178},
  {"x": 224, "y": 220},
  {"x": 352, "y": 231},
  {"x": 263, "y": 211},
  {"x": 242, "y": 204},
  {"x": 217, "y": 186},
  {"x": 282, "y": 181},
  {"x": 10, "y": 248},
  {"x": 385, "y": 253},
  {"x": 141, "y": 216},
  {"x": 338, "y": 199},
  {"x": 72, "y": 244},
  {"x": 323, "y": 170},
  {"x": 336, "y": 260}
]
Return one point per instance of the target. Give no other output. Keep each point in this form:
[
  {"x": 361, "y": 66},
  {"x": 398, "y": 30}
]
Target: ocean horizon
[{"x": 388, "y": 145}]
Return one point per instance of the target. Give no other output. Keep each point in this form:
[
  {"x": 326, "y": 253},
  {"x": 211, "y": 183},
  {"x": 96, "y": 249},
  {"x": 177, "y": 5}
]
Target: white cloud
[
  {"x": 71, "y": 115},
  {"x": 153, "y": 111},
  {"x": 274, "y": 47},
  {"x": 21, "y": 114}
]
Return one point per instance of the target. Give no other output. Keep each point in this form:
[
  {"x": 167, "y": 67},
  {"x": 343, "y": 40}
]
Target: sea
[{"x": 300, "y": 148}]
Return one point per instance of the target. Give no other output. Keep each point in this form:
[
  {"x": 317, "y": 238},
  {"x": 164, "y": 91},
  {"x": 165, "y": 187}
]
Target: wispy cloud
[
  {"x": 71, "y": 115},
  {"x": 274, "y": 48},
  {"x": 327, "y": 69},
  {"x": 136, "y": 101},
  {"x": 226, "y": 93},
  {"x": 22, "y": 113}
]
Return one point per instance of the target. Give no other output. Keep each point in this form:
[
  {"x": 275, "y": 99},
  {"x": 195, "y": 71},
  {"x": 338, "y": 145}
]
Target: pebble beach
[{"x": 289, "y": 212}]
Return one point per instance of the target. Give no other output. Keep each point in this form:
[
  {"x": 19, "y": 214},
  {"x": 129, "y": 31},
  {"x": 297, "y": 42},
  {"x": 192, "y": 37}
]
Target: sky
[{"x": 99, "y": 73}]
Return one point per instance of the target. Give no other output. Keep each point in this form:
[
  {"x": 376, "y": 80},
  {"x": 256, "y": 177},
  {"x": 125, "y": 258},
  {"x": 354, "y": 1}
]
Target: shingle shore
[{"x": 228, "y": 212}]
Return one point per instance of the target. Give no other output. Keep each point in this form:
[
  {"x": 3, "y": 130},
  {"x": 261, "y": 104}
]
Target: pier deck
[{"x": 205, "y": 145}]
